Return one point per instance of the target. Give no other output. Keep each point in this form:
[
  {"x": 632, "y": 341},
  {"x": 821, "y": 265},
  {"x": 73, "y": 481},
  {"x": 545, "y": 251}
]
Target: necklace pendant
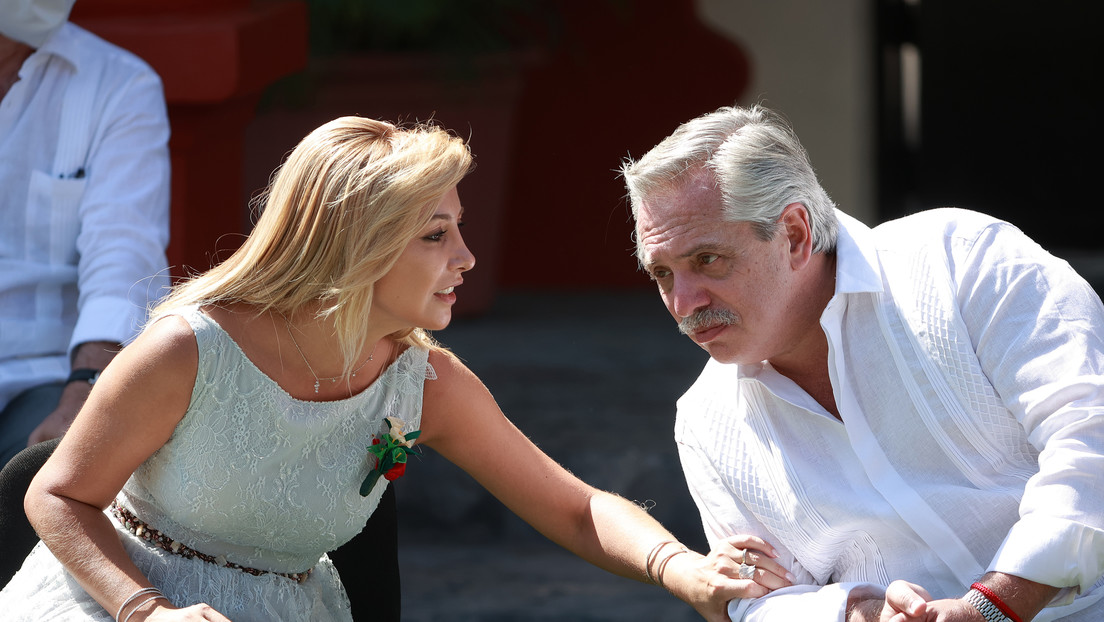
[{"x": 316, "y": 383}]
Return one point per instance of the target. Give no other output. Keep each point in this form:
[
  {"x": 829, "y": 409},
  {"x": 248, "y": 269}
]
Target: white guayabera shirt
[
  {"x": 84, "y": 204},
  {"x": 967, "y": 365}
]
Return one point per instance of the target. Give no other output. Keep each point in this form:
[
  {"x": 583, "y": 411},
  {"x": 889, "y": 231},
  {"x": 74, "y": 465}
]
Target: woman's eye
[{"x": 436, "y": 237}]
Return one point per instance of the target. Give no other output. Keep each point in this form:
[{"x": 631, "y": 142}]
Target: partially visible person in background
[
  {"x": 84, "y": 164},
  {"x": 84, "y": 167}
]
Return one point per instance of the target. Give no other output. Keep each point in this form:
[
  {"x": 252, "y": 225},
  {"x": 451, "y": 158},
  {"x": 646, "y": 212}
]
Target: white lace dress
[{"x": 250, "y": 475}]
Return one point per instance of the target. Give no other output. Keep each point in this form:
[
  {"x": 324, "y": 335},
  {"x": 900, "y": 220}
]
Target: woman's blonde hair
[{"x": 336, "y": 217}]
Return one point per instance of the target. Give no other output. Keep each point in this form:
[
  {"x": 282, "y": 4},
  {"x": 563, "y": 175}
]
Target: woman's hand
[
  {"x": 752, "y": 561},
  {"x": 709, "y": 582},
  {"x": 161, "y": 612}
]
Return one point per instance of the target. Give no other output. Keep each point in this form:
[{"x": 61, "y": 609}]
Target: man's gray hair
[{"x": 757, "y": 162}]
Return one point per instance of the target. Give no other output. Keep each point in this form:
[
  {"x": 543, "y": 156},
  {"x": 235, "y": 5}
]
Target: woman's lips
[{"x": 447, "y": 294}]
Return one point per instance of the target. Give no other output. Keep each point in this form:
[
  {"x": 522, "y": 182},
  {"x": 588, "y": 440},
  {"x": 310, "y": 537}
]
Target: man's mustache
[{"x": 707, "y": 318}]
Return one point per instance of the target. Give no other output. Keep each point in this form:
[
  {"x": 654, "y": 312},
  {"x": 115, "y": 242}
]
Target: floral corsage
[{"x": 390, "y": 451}]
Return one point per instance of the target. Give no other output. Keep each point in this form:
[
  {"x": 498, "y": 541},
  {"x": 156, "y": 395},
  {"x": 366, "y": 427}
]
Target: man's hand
[
  {"x": 58, "y": 421},
  {"x": 903, "y": 602},
  {"x": 953, "y": 610},
  {"x": 906, "y": 602},
  {"x": 1024, "y": 597},
  {"x": 90, "y": 355}
]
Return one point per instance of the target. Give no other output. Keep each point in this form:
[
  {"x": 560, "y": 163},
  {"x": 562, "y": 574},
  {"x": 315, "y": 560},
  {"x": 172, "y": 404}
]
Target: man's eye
[
  {"x": 707, "y": 259},
  {"x": 660, "y": 274}
]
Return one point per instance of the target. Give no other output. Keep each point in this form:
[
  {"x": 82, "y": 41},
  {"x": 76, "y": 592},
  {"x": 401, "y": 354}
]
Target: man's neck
[
  {"x": 807, "y": 365},
  {"x": 12, "y": 55}
]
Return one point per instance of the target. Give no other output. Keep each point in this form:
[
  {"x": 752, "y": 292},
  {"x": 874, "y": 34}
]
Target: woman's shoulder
[
  {"x": 170, "y": 332},
  {"x": 167, "y": 348},
  {"x": 452, "y": 382},
  {"x": 447, "y": 367}
]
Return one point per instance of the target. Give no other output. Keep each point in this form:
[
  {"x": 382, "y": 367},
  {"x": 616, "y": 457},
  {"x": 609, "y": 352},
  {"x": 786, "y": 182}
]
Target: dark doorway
[{"x": 1007, "y": 120}]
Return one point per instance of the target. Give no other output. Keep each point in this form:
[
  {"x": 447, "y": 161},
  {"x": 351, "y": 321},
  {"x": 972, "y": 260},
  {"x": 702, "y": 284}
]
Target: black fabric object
[
  {"x": 17, "y": 538},
  {"x": 369, "y": 565}
]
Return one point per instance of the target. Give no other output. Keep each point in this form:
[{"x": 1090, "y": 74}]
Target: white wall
[{"x": 813, "y": 61}]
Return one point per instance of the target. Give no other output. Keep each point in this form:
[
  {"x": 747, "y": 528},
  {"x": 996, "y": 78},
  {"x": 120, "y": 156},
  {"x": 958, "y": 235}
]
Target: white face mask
[{"x": 33, "y": 21}]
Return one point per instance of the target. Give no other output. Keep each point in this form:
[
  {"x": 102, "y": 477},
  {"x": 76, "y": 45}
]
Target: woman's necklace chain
[{"x": 317, "y": 380}]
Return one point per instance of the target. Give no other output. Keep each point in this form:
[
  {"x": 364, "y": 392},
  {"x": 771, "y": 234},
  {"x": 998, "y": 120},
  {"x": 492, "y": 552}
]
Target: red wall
[
  {"x": 215, "y": 58},
  {"x": 624, "y": 76}
]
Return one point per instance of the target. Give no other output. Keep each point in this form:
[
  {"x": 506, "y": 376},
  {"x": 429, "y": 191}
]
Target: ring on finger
[
  {"x": 744, "y": 560},
  {"x": 746, "y": 571}
]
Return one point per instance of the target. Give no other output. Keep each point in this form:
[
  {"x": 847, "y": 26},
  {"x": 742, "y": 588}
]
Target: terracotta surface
[
  {"x": 215, "y": 57},
  {"x": 620, "y": 79}
]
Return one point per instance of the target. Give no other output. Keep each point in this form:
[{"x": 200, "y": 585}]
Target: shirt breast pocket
[{"x": 53, "y": 218}]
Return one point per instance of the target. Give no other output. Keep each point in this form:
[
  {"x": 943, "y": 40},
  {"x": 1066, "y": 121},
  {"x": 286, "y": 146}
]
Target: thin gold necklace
[{"x": 317, "y": 380}]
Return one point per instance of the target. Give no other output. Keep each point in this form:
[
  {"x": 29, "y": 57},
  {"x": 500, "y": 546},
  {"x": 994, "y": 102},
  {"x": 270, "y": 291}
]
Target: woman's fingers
[
  {"x": 750, "y": 550},
  {"x": 772, "y": 578},
  {"x": 768, "y": 571},
  {"x": 198, "y": 613},
  {"x": 751, "y": 560},
  {"x": 746, "y": 567},
  {"x": 745, "y": 541}
]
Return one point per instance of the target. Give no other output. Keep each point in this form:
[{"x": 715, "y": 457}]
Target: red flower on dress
[{"x": 396, "y": 472}]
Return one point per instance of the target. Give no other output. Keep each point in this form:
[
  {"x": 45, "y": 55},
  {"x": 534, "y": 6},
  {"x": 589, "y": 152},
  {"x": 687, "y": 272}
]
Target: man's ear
[{"x": 799, "y": 233}]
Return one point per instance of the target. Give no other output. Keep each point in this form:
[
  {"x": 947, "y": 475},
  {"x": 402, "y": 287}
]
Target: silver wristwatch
[{"x": 988, "y": 610}]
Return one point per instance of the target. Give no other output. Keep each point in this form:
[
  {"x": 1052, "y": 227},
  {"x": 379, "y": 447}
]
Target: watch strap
[
  {"x": 84, "y": 375},
  {"x": 985, "y": 607}
]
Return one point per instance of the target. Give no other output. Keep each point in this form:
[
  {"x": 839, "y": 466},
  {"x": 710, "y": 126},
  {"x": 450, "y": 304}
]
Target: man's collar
[
  {"x": 857, "y": 266},
  {"x": 62, "y": 44}
]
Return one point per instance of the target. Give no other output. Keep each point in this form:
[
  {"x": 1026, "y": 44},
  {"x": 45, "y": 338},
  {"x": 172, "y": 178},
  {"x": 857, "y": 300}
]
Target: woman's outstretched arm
[{"x": 461, "y": 421}]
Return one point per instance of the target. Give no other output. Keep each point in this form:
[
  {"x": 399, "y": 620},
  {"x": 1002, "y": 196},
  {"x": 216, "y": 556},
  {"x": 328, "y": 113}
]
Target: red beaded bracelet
[{"x": 993, "y": 598}]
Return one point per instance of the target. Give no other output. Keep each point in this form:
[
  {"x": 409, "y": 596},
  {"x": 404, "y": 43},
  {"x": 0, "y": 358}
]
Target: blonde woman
[{"x": 255, "y": 423}]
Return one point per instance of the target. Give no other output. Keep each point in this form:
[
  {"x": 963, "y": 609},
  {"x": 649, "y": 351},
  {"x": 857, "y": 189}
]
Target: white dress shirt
[
  {"x": 84, "y": 167},
  {"x": 967, "y": 366}
]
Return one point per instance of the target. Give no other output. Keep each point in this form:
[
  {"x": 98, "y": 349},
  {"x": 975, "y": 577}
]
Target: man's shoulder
[
  {"x": 941, "y": 222},
  {"x": 88, "y": 51},
  {"x": 953, "y": 233}
]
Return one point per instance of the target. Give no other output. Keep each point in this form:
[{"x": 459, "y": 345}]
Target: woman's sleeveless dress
[{"x": 250, "y": 475}]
